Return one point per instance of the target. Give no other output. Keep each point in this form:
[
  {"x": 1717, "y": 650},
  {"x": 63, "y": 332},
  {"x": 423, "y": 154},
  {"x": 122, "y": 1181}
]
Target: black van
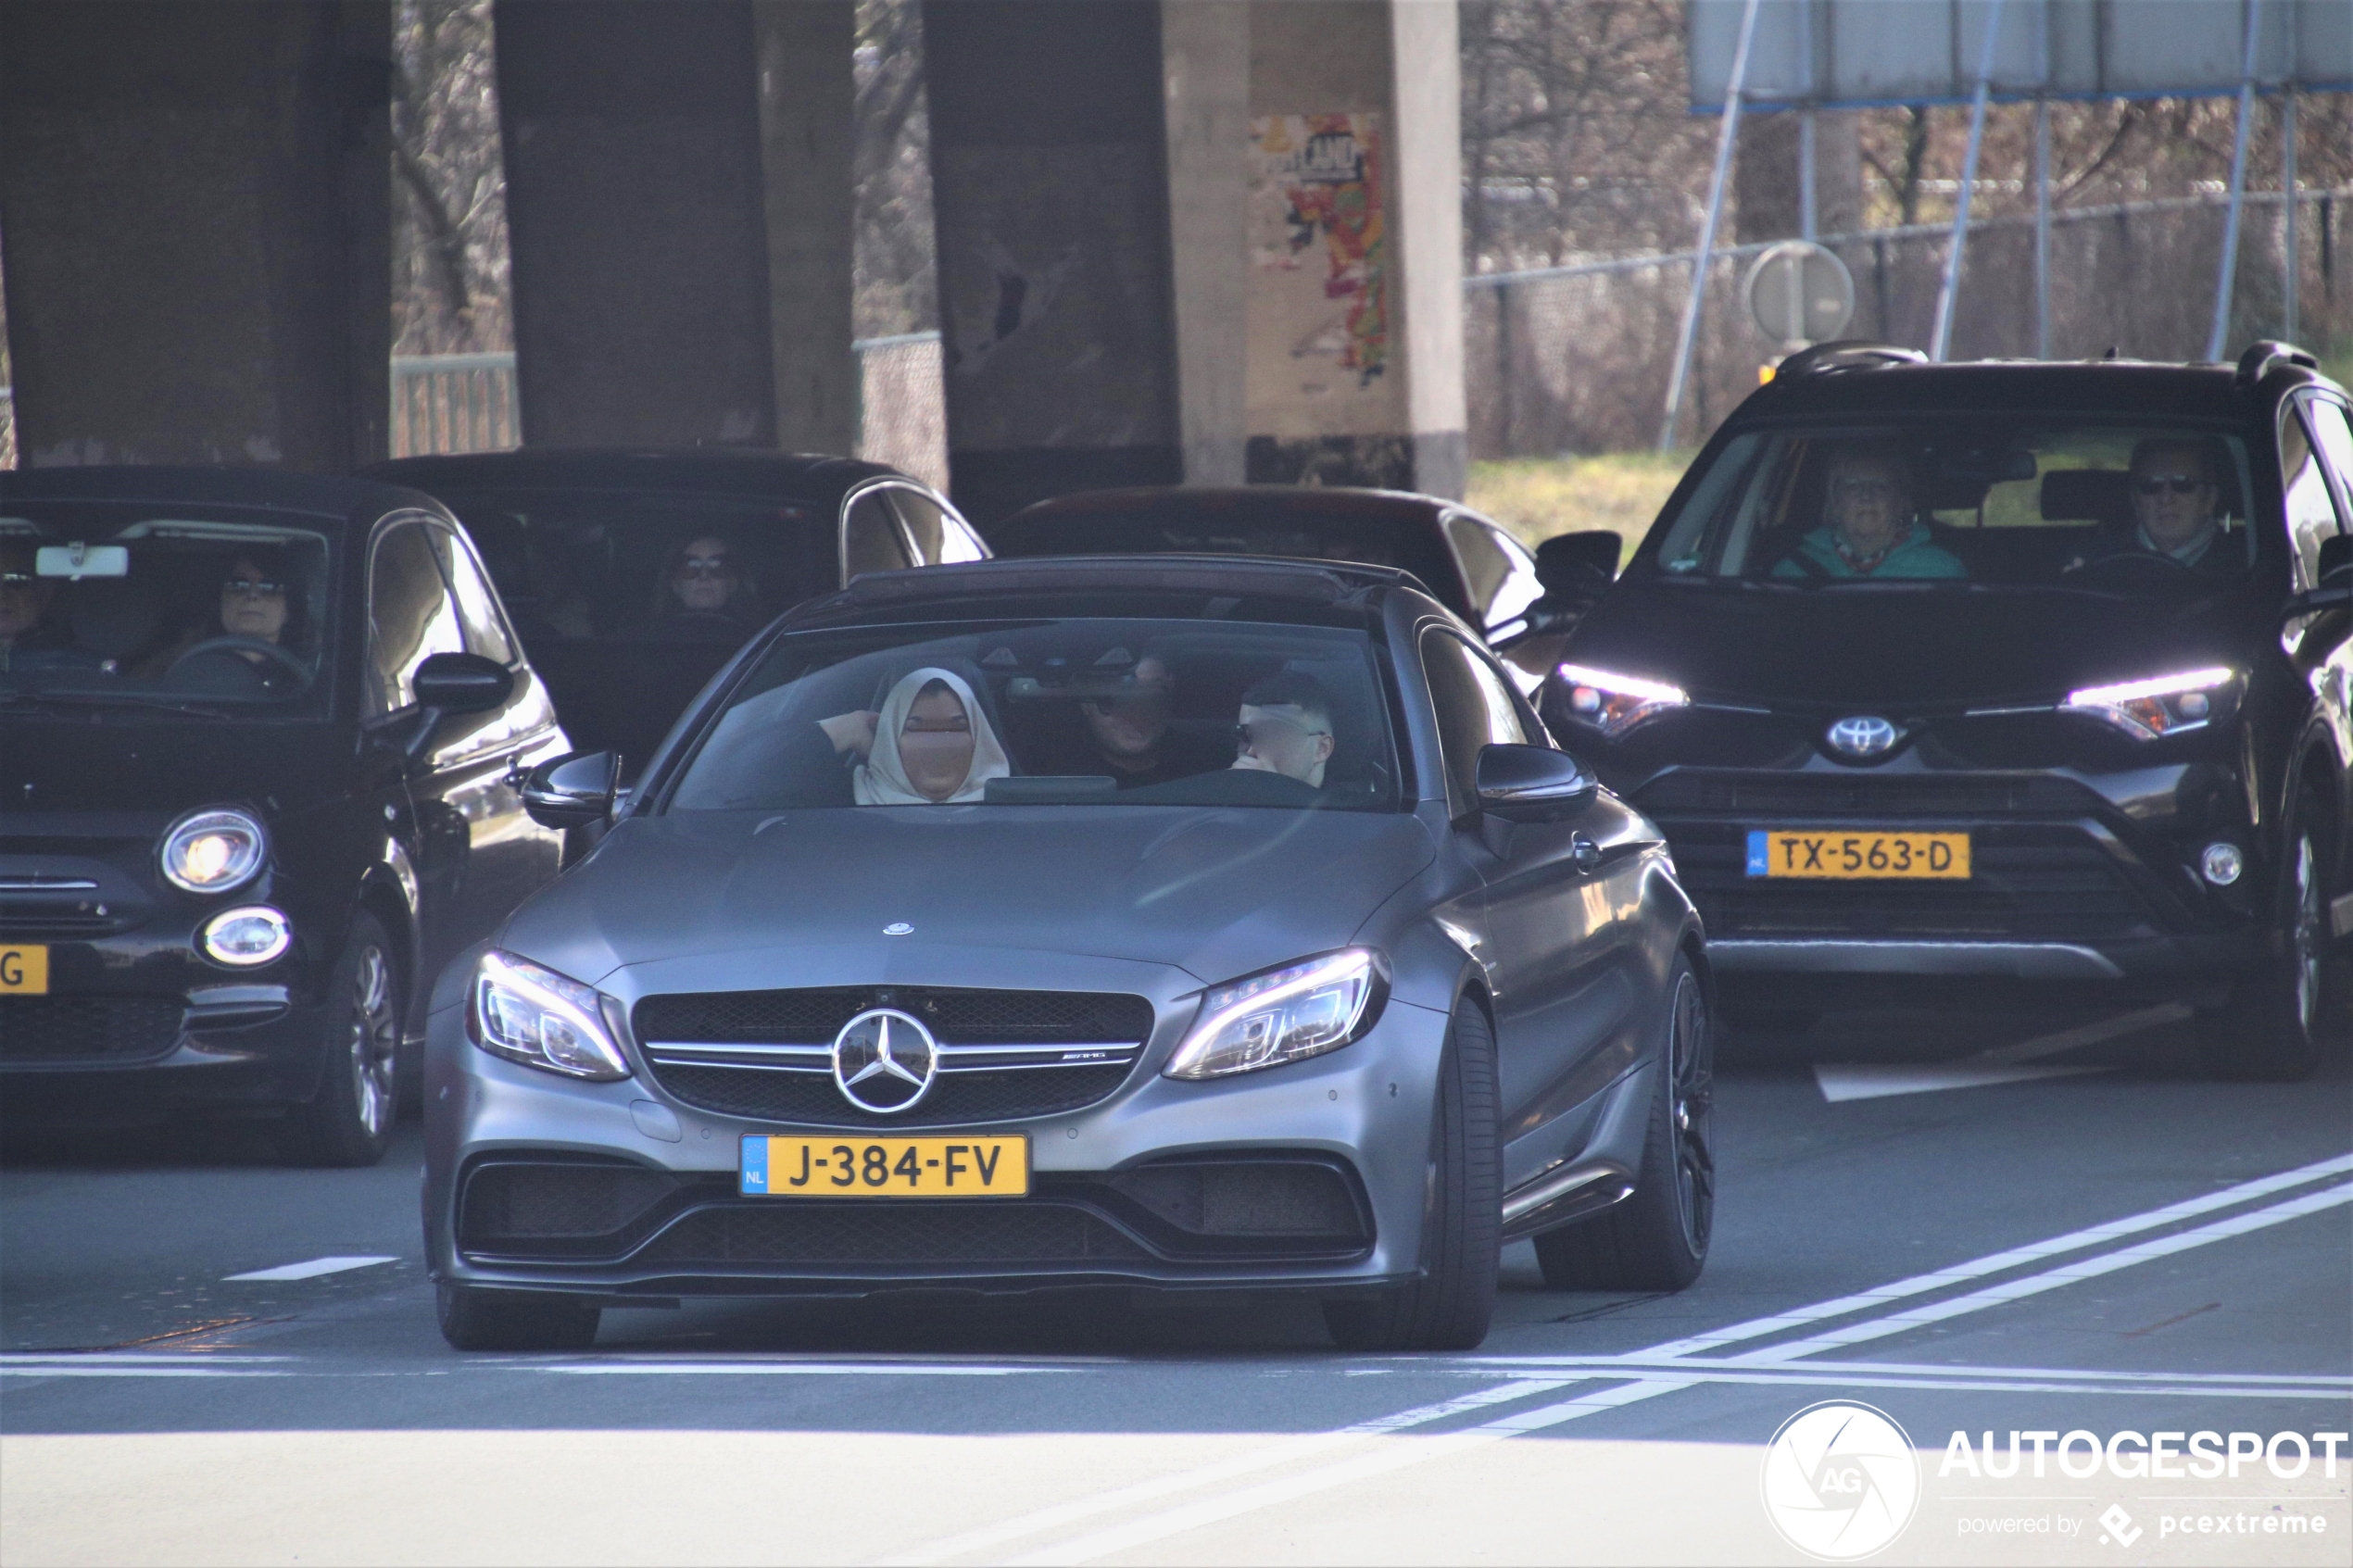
[{"x": 259, "y": 734}]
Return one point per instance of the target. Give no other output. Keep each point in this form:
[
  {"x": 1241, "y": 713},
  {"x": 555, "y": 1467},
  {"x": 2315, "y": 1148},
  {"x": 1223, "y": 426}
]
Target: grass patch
[{"x": 1537, "y": 498}]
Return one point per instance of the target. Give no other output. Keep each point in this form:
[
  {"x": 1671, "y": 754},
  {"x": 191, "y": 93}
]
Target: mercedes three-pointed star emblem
[{"x": 884, "y": 1061}]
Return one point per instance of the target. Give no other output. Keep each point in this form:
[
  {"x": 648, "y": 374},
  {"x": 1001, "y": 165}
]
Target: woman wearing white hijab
[{"x": 930, "y": 746}]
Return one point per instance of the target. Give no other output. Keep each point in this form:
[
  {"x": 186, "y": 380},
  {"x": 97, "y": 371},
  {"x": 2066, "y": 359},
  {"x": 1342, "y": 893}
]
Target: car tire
[
  {"x": 2270, "y": 1030},
  {"x": 1656, "y": 1240},
  {"x": 1450, "y": 1307},
  {"x": 349, "y": 1122},
  {"x": 474, "y": 1318}
]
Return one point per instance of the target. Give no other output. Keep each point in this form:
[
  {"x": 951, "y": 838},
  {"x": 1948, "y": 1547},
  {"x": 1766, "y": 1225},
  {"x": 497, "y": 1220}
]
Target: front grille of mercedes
[
  {"x": 1005, "y": 1055},
  {"x": 86, "y": 1031}
]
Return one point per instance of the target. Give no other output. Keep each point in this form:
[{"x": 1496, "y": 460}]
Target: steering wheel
[
  {"x": 2122, "y": 567},
  {"x": 289, "y": 662}
]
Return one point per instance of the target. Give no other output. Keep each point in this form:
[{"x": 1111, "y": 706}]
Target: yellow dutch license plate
[
  {"x": 955, "y": 1166},
  {"x": 24, "y": 971},
  {"x": 1855, "y": 857}
]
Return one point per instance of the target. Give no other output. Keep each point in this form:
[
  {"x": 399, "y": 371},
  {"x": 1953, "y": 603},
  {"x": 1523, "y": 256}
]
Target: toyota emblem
[
  {"x": 884, "y": 1060},
  {"x": 1864, "y": 735}
]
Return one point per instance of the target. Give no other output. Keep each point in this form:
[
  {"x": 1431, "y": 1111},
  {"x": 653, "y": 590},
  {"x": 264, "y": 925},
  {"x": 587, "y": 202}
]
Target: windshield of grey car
[
  {"x": 107, "y": 606},
  {"x": 2121, "y": 507},
  {"x": 1098, "y": 712}
]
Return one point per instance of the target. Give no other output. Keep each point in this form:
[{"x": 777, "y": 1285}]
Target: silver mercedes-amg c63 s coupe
[{"x": 1165, "y": 922}]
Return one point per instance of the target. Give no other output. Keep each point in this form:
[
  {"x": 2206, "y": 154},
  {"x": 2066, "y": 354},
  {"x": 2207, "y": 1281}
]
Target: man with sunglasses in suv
[{"x": 2175, "y": 495}]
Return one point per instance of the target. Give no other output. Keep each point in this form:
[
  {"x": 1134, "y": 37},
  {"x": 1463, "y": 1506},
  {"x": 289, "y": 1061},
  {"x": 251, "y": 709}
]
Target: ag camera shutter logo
[{"x": 1840, "y": 1480}]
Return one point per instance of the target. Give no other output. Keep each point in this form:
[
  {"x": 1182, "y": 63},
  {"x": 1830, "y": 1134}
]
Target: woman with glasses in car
[
  {"x": 260, "y": 609},
  {"x": 704, "y": 584}
]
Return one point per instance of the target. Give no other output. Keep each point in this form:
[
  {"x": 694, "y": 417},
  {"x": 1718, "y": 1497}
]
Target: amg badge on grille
[
  {"x": 1863, "y": 735},
  {"x": 884, "y": 1060}
]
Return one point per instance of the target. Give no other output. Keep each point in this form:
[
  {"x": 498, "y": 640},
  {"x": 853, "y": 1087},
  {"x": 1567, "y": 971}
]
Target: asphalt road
[{"x": 1976, "y": 1224}]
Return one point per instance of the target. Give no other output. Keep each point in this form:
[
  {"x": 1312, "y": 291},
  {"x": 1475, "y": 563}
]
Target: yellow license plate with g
[
  {"x": 1838, "y": 855},
  {"x": 959, "y": 1165},
  {"x": 24, "y": 971}
]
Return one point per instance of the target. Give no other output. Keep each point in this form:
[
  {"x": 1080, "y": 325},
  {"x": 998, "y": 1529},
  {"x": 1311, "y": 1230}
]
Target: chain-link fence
[{"x": 1577, "y": 358}]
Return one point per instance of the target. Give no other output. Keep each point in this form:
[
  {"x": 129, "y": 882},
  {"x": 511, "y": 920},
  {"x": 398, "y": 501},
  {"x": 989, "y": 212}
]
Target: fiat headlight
[
  {"x": 542, "y": 1018},
  {"x": 213, "y": 851},
  {"x": 2167, "y": 705},
  {"x": 1280, "y": 1015},
  {"x": 1614, "y": 703}
]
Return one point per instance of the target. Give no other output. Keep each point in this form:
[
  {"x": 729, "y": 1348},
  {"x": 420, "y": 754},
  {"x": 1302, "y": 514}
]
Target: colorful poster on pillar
[{"x": 1319, "y": 284}]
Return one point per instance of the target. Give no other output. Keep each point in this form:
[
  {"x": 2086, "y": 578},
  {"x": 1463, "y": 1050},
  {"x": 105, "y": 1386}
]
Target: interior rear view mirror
[{"x": 77, "y": 562}]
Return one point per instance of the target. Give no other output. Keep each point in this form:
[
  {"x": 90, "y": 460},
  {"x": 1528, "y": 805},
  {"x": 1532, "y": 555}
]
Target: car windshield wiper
[{"x": 50, "y": 697}]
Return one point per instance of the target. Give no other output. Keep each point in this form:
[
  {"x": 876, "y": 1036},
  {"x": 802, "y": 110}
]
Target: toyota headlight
[
  {"x": 1280, "y": 1015},
  {"x": 2168, "y": 705},
  {"x": 1614, "y": 703},
  {"x": 542, "y": 1018},
  {"x": 212, "y": 851}
]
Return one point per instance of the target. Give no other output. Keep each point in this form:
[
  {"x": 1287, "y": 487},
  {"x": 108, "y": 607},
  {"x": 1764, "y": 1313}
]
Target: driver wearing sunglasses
[
  {"x": 1286, "y": 728},
  {"x": 2174, "y": 499}
]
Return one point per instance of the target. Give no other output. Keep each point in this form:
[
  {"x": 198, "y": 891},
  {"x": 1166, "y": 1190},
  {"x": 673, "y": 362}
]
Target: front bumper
[
  {"x": 1354, "y": 1126},
  {"x": 2064, "y": 884}
]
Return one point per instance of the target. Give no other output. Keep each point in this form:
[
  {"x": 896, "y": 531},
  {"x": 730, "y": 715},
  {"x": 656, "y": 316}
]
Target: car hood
[
  {"x": 163, "y": 768},
  {"x": 1215, "y": 892},
  {"x": 1912, "y": 648}
]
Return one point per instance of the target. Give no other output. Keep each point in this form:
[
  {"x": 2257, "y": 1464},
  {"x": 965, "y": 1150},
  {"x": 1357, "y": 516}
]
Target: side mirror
[
  {"x": 2337, "y": 560},
  {"x": 461, "y": 683},
  {"x": 1532, "y": 784},
  {"x": 1581, "y": 564},
  {"x": 572, "y": 790},
  {"x": 455, "y": 682}
]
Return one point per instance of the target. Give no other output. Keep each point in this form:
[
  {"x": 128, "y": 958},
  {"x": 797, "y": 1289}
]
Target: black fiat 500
[
  {"x": 258, "y": 733},
  {"x": 2000, "y": 670}
]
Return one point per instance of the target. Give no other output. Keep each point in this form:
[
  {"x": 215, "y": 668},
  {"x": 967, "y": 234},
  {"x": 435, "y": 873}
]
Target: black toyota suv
[{"x": 2001, "y": 672}]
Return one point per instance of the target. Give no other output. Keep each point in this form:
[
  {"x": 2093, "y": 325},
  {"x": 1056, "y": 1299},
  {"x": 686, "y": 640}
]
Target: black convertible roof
[
  {"x": 162, "y": 485},
  {"x": 710, "y": 469}
]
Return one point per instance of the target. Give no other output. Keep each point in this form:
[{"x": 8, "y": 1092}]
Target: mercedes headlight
[
  {"x": 541, "y": 1019},
  {"x": 1614, "y": 703},
  {"x": 212, "y": 851},
  {"x": 2167, "y": 705},
  {"x": 1285, "y": 1014}
]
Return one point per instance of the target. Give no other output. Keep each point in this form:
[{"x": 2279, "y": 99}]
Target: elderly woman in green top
[{"x": 1871, "y": 529}]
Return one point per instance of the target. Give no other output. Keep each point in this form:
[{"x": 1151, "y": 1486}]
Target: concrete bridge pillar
[
  {"x": 196, "y": 205},
  {"x": 1199, "y": 242},
  {"x": 679, "y": 207}
]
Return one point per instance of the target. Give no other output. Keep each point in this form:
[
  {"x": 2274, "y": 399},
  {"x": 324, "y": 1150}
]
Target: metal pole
[
  {"x": 1807, "y": 222},
  {"x": 2041, "y": 228},
  {"x": 2227, "y": 272},
  {"x": 1684, "y": 340},
  {"x": 2295, "y": 259},
  {"x": 1941, "y": 336}
]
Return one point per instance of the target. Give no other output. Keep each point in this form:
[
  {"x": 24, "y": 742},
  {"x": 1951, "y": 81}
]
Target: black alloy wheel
[
  {"x": 474, "y": 1318},
  {"x": 349, "y": 1122},
  {"x": 1657, "y": 1238},
  {"x": 2270, "y": 1030},
  {"x": 1450, "y": 1307}
]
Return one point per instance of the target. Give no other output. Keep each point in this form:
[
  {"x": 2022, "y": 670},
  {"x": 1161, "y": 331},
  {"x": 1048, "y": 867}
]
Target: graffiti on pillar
[{"x": 1320, "y": 276}]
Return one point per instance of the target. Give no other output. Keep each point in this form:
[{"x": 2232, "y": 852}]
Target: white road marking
[
  {"x": 1840, "y": 1082},
  {"x": 1847, "y": 1081},
  {"x": 2001, "y": 1262},
  {"x": 778, "y": 1369},
  {"x": 1212, "y": 1511},
  {"x": 311, "y": 1270},
  {"x": 1640, "y": 1361},
  {"x": 2054, "y": 1279},
  {"x": 1176, "y": 1521},
  {"x": 1249, "y": 1463}
]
